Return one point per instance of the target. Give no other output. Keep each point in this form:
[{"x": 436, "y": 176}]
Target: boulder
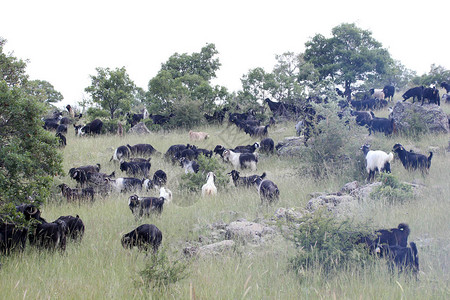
[
  {"x": 211, "y": 249},
  {"x": 291, "y": 146},
  {"x": 404, "y": 113},
  {"x": 245, "y": 231},
  {"x": 139, "y": 128},
  {"x": 339, "y": 205}
]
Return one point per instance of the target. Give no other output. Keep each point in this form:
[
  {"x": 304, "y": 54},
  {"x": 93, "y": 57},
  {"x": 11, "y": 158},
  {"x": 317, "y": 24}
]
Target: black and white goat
[
  {"x": 143, "y": 206},
  {"x": 124, "y": 184},
  {"x": 244, "y": 181},
  {"x": 242, "y": 160},
  {"x": 376, "y": 161},
  {"x": 246, "y": 149},
  {"x": 413, "y": 161},
  {"x": 190, "y": 166},
  {"x": 76, "y": 194},
  {"x": 120, "y": 153}
]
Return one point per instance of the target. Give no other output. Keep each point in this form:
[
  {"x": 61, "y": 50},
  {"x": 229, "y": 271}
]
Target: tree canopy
[
  {"x": 112, "y": 90},
  {"x": 350, "y": 55}
]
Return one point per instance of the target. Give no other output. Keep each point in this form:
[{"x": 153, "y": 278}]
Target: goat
[
  {"x": 143, "y": 206},
  {"x": 74, "y": 227},
  {"x": 389, "y": 92},
  {"x": 267, "y": 146},
  {"x": 142, "y": 237},
  {"x": 377, "y": 161},
  {"x": 190, "y": 166},
  {"x": 166, "y": 194},
  {"x": 246, "y": 149},
  {"x": 94, "y": 127},
  {"x": 377, "y": 93},
  {"x": 415, "y": 92},
  {"x": 160, "y": 178},
  {"x": 413, "y": 161},
  {"x": 209, "y": 189},
  {"x": 49, "y": 235},
  {"x": 403, "y": 257},
  {"x": 267, "y": 190},
  {"x": 198, "y": 136},
  {"x": 76, "y": 194},
  {"x": 121, "y": 152},
  {"x": 382, "y": 125},
  {"x": 446, "y": 86},
  {"x": 134, "y": 168},
  {"x": 62, "y": 139},
  {"x": 244, "y": 181},
  {"x": 432, "y": 94},
  {"x": 392, "y": 237},
  {"x": 124, "y": 184},
  {"x": 142, "y": 150},
  {"x": 242, "y": 160}
]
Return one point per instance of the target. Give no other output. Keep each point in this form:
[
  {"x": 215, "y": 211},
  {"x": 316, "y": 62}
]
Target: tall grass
[{"x": 99, "y": 268}]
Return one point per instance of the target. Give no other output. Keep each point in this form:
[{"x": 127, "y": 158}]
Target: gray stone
[
  {"x": 432, "y": 115},
  {"x": 291, "y": 146},
  {"x": 139, "y": 128},
  {"x": 246, "y": 231},
  {"x": 214, "y": 249}
]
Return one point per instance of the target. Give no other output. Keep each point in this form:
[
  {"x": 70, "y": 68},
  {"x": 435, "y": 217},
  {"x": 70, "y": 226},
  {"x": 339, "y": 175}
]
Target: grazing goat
[
  {"x": 377, "y": 94},
  {"x": 49, "y": 235},
  {"x": 267, "y": 190},
  {"x": 376, "y": 161},
  {"x": 160, "y": 178},
  {"x": 389, "y": 92},
  {"x": 143, "y": 206},
  {"x": 432, "y": 94},
  {"x": 382, "y": 125},
  {"x": 244, "y": 181},
  {"x": 74, "y": 227},
  {"x": 143, "y": 150},
  {"x": 198, "y": 136},
  {"x": 413, "y": 161},
  {"x": 405, "y": 258},
  {"x": 62, "y": 139},
  {"x": 242, "y": 160},
  {"x": 94, "y": 127},
  {"x": 190, "y": 166},
  {"x": 79, "y": 174},
  {"x": 209, "y": 189},
  {"x": 267, "y": 146},
  {"x": 446, "y": 86},
  {"x": 246, "y": 149},
  {"x": 120, "y": 153},
  {"x": 134, "y": 168},
  {"x": 415, "y": 92},
  {"x": 143, "y": 237},
  {"x": 391, "y": 237},
  {"x": 76, "y": 194},
  {"x": 363, "y": 118},
  {"x": 124, "y": 184}
]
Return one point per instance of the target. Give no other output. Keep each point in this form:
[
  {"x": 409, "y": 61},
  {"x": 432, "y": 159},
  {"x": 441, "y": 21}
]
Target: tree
[
  {"x": 256, "y": 85},
  {"x": 28, "y": 155},
  {"x": 186, "y": 77},
  {"x": 350, "y": 55},
  {"x": 436, "y": 75},
  {"x": 12, "y": 70},
  {"x": 43, "y": 91},
  {"x": 112, "y": 90}
]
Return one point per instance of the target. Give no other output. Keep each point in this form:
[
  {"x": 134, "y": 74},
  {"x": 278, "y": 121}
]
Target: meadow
[{"x": 100, "y": 268}]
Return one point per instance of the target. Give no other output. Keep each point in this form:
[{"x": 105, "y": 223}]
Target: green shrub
[
  {"x": 328, "y": 243},
  {"x": 194, "y": 181},
  {"x": 187, "y": 113},
  {"x": 97, "y": 113},
  {"x": 417, "y": 126},
  {"x": 392, "y": 190},
  {"x": 161, "y": 271}
]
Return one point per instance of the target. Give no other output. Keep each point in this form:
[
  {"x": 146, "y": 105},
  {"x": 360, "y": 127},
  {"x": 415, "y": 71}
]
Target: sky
[{"x": 65, "y": 41}]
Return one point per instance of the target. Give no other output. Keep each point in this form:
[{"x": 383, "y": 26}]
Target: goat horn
[{"x": 33, "y": 211}]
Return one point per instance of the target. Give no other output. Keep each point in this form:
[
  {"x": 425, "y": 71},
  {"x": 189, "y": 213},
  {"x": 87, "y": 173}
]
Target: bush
[
  {"x": 392, "y": 190},
  {"x": 160, "y": 271},
  {"x": 417, "y": 126},
  {"x": 328, "y": 243},
  {"x": 332, "y": 147},
  {"x": 194, "y": 181},
  {"x": 187, "y": 113}
]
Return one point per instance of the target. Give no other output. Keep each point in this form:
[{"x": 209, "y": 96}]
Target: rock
[
  {"x": 246, "y": 231},
  {"x": 289, "y": 214},
  {"x": 350, "y": 187},
  {"x": 139, "y": 128},
  {"x": 291, "y": 146},
  {"x": 338, "y": 205},
  {"x": 431, "y": 115}
]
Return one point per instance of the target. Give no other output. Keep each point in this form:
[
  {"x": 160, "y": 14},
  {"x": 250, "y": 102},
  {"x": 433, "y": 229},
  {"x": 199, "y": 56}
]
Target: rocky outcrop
[
  {"x": 139, "y": 128},
  {"x": 406, "y": 115},
  {"x": 291, "y": 146}
]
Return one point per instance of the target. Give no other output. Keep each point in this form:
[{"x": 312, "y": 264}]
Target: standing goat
[
  {"x": 413, "y": 161},
  {"x": 242, "y": 160},
  {"x": 377, "y": 161},
  {"x": 209, "y": 189}
]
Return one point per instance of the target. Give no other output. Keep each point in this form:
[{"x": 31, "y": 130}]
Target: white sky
[{"x": 65, "y": 41}]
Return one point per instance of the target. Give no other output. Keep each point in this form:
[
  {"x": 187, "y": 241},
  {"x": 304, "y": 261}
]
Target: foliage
[
  {"x": 350, "y": 55},
  {"x": 160, "y": 271},
  {"x": 436, "y": 75},
  {"x": 328, "y": 243},
  {"x": 28, "y": 155},
  {"x": 328, "y": 151},
  {"x": 186, "y": 113},
  {"x": 96, "y": 113},
  {"x": 186, "y": 76},
  {"x": 194, "y": 181},
  {"x": 43, "y": 91},
  {"x": 392, "y": 190},
  {"x": 417, "y": 126},
  {"x": 112, "y": 90},
  {"x": 12, "y": 70}
]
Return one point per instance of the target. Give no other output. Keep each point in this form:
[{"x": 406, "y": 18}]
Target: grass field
[{"x": 99, "y": 268}]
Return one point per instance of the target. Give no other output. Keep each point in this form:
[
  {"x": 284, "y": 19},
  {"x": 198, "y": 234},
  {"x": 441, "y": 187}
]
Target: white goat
[
  {"x": 377, "y": 161},
  {"x": 166, "y": 194},
  {"x": 209, "y": 188}
]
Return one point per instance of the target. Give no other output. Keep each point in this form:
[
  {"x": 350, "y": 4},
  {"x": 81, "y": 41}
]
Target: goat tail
[
  {"x": 429, "y": 159},
  {"x": 263, "y": 175},
  {"x": 404, "y": 227}
]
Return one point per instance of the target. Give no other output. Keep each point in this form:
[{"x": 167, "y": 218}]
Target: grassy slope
[{"x": 100, "y": 268}]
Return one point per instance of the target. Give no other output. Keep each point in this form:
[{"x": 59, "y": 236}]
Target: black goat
[
  {"x": 413, "y": 161},
  {"x": 415, "y": 92},
  {"x": 121, "y": 152},
  {"x": 144, "y": 236},
  {"x": 267, "y": 146},
  {"x": 267, "y": 190},
  {"x": 49, "y": 235},
  {"x": 74, "y": 227},
  {"x": 391, "y": 237},
  {"x": 142, "y": 150},
  {"x": 382, "y": 125},
  {"x": 432, "y": 94},
  {"x": 76, "y": 194},
  {"x": 405, "y": 258},
  {"x": 135, "y": 168},
  {"x": 244, "y": 181},
  {"x": 246, "y": 149}
]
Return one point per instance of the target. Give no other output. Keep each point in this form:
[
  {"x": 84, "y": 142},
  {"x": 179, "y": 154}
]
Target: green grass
[{"x": 100, "y": 268}]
